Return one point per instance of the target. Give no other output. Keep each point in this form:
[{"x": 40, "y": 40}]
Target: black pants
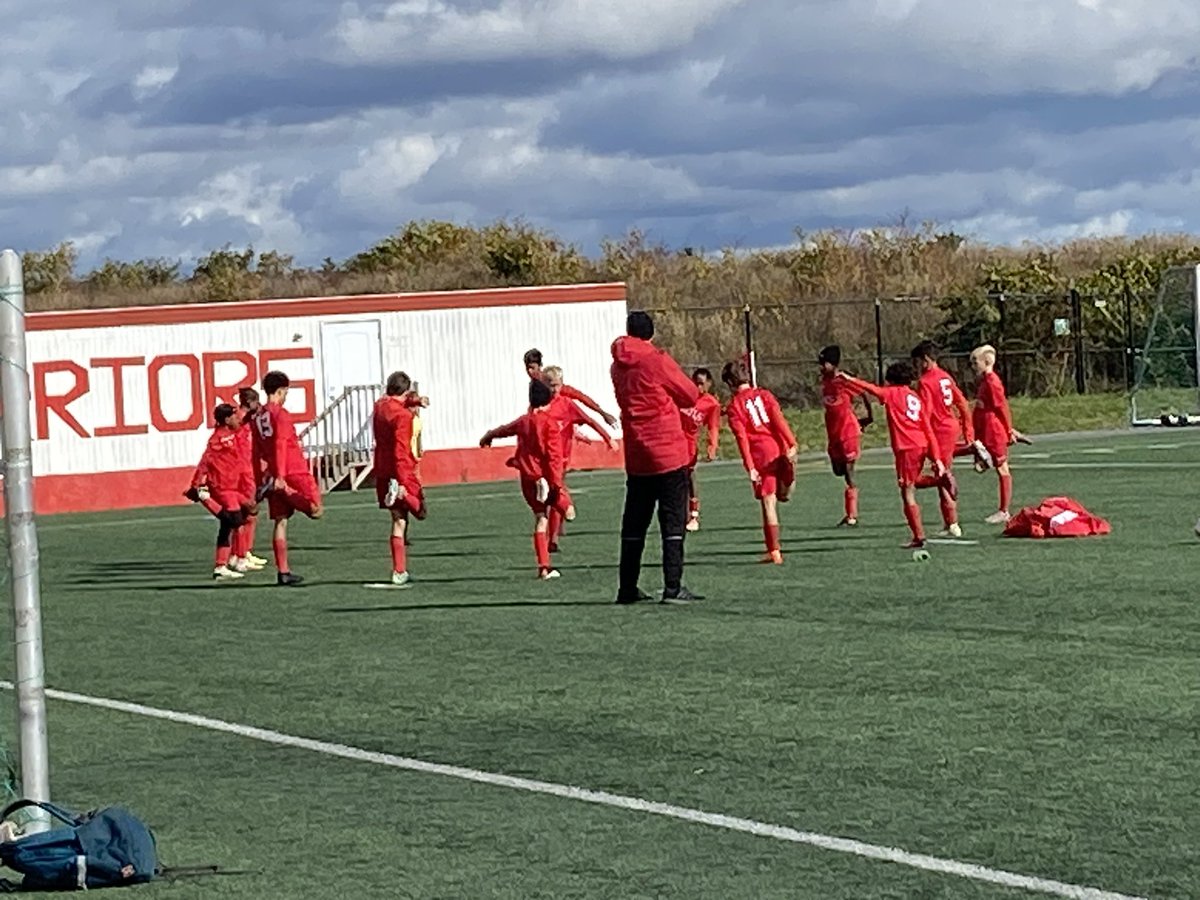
[{"x": 669, "y": 492}]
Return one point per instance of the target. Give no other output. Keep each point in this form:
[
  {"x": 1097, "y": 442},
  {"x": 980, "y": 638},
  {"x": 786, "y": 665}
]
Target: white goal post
[{"x": 1166, "y": 385}]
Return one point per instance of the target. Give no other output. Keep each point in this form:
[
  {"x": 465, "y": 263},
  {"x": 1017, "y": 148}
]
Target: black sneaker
[
  {"x": 681, "y": 597},
  {"x": 287, "y": 579},
  {"x": 639, "y": 597}
]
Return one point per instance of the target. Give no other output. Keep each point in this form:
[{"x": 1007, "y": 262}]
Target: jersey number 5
[
  {"x": 758, "y": 412},
  {"x": 947, "y": 394}
]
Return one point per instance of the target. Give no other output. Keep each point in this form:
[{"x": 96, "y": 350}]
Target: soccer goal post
[
  {"x": 21, "y": 530},
  {"x": 1166, "y": 388}
]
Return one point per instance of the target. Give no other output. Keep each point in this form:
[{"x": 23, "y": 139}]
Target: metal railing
[{"x": 339, "y": 443}]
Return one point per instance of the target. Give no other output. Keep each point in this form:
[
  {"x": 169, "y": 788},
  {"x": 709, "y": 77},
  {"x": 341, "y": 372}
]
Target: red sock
[
  {"x": 949, "y": 511},
  {"x": 851, "y": 503},
  {"x": 239, "y": 542},
  {"x": 541, "y": 547},
  {"x": 694, "y": 507},
  {"x": 771, "y": 536},
  {"x": 554, "y": 528},
  {"x": 251, "y": 526},
  {"x": 399, "y": 559},
  {"x": 281, "y": 560},
  {"x": 222, "y": 556},
  {"x": 212, "y": 506},
  {"x": 1005, "y": 492},
  {"x": 913, "y": 514},
  {"x": 927, "y": 481}
]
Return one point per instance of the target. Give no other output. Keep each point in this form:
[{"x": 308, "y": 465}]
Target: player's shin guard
[
  {"x": 851, "y": 501},
  {"x": 541, "y": 548},
  {"x": 1005, "y": 492},
  {"x": 912, "y": 512},
  {"x": 279, "y": 545},
  {"x": 399, "y": 556}
]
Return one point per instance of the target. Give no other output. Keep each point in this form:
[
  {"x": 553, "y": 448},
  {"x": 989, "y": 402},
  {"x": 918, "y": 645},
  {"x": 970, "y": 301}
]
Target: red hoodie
[{"x": 651, "y": 389}]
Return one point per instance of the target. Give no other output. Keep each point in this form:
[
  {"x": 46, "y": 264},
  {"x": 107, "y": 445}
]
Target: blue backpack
[{"x": 107, "y": 847}]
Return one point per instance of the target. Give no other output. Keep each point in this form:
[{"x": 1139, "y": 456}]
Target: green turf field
[{"x": 1026, "y": 706}]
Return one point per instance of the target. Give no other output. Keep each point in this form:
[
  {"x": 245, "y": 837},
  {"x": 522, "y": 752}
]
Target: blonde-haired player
[{"x": 993, "y": 423}]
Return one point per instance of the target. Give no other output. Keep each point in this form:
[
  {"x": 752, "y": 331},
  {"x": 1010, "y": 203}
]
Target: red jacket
[{"x": 651, "y": 389}]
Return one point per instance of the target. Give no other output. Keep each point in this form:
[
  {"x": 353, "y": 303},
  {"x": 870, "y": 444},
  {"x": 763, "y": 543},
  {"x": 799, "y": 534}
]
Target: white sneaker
[
  {"x": 547, "y": 574},
  {"x": 693, "y": 524},
  {"x": 255, "y": 562},
  {"x": 953, "y": 531},
  {"x": 401, "y": 579},
  {"x": 998, "y": 518},
  {"x": 570, "y": 513},
  {"x": 238, "y": 565},
  {"x": 394, "y": 492},
  {"x": 224, "y": 573},
  {"x": 543, "y": 490}
]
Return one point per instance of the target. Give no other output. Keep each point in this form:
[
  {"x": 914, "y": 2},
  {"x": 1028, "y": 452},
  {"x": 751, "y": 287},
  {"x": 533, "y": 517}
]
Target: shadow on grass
[{"x": 503, "y": 604}]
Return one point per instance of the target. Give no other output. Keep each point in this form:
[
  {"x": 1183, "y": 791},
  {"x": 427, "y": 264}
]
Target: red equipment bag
[{"x": 1056, "y": 517}]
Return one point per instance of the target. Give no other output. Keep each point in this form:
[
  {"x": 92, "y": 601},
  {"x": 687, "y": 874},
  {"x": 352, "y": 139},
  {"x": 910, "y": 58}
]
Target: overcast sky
[{"x": 170, "y": 127}]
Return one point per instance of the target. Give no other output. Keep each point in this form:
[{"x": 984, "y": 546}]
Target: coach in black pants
[{"x": 651, "y": 389}]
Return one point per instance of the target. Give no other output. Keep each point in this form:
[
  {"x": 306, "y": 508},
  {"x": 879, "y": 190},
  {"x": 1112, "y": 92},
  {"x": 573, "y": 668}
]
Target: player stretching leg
[
  {"x": 843, "y": 427},
  {"x": 252, "y": 478},
  {"x": 218, "y": 484},
  {"x": 911, "y": 437},
  {"x": 397, "y": 486},
  {"x": 293, "y": 487},
  {"x": 567, "y": 414},
  {"x": 949, "y": 417},
  {"x": 540, "y": 462},
  {"x": 768, "y": 448},
  {"x": 993, "y": 424},
  {"x": 707, "y": 414}
]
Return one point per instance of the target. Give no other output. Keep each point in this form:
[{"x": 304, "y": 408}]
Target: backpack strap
[{"x": 57, "y": 812}]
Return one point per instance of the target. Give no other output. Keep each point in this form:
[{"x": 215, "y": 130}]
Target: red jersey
[
  {"x": 991, "y": 413},
  {"x": 707, "y": 413},
  {"x": 276, "y": 443},
  {"x": 757, "y": 422},
  {"x": 567, "y": 414},
  {"x": 837, "y": 395},
  {"x": 222, "y": 465},
  {"x": 941, "y": 399},
  {"x": 575, "y": 394},
  {"x": 908, "y": 423},
  {"x": 539, "y": 446},
  {"x": 651, "y": 389},
  {"x": 392, "y": 424},
  {"x": 245, "y": 443}
]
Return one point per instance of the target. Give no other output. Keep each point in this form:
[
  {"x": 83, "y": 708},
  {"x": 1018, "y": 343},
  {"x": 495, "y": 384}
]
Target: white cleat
[
  {"x": 238, "y": 565},
  {"x": 693, "y": 524},
  {"x": 999, "y": 517},
  {"x": 570, "y": 513},
  {"x": 224, "y": 573},
  {"x": 394, "y": 492},
  {"x": 401, "y": 580},
  {"x": 255, "y": 562},
  {"x": 543, "y": 490},
  {"x": 547, "y": 574},
  {"x": 953, "y": 531}
]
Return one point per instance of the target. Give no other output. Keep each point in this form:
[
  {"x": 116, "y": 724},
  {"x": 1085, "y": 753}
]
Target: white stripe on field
[
  {"x": 604, "y": 798},
  {"x": 1097, "y": 451}
]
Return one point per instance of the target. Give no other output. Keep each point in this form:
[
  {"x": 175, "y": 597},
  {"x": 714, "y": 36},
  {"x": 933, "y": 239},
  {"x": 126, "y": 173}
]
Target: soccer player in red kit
[
  {"x": 219, "y": 484},
  {"x": 949, "y": 417},
  {"x": 248, "y": 404},
  {"x": 705, "y": 414},
  {"x": 993, "y": 424},
  {"x": 293, "y": 487},
  {"x": 569, "y": 416},
  {"x": 843, "y": 427},
  {"x": 539, "y": 459},
  {"x": 533, "y": 368},
  {"x": 767, "y": 445},
  {"x": 911, "y": 437},
  {"x": 397, "y": 485}
]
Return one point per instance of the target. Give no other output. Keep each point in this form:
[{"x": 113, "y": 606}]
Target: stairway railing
[{"x": 339, "y": 442}]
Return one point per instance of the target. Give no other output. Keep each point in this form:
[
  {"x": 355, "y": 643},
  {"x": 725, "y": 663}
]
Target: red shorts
[
  {"x": 302, "y": 495},
  {"x": 413, "y": 501},
  {"x": 561, "y": 501},
  {"x": 995, "y": 441},
  {"x": 843, "y": 449},
  {"x": 232, "y": 501},
  {"x": 946, "y": 442},
  {"x": 778, "y": 472},
  {"x": 909, "y": 464}
]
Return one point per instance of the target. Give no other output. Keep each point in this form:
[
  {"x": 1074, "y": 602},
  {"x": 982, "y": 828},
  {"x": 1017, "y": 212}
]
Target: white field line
[{"x": 922, "y": 861}]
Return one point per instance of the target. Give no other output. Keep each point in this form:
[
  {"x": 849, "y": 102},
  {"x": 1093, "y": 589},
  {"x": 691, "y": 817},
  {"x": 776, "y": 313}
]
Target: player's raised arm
[
  {"x": 581, "y": 419},
  {"x": 868, "y": 413},
  {"x": 509, "y": 430},
  {"x": 865, "y": 387},
  {"x": 580, "y": 397}
]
